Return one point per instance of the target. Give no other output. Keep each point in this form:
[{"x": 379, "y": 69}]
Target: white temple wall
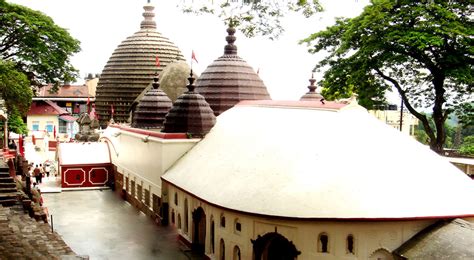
[
  {"x": 155, "y": 155},
  {"x": 369, "y": 236}
]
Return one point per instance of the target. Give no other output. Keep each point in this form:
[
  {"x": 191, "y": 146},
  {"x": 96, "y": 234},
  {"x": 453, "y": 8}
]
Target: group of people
[{"x": 40, "y": 171}]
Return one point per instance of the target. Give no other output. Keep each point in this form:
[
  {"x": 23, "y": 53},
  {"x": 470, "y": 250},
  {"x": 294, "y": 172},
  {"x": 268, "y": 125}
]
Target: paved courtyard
[{"x": 103, "y": 226}]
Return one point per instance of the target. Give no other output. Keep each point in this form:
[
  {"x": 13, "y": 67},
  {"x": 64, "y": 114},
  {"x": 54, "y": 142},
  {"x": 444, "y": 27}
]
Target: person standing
[
  {"x": 47, "y": 169},
  {"x": 41, "y": 173},
  {"x": 37, "y": 174}
]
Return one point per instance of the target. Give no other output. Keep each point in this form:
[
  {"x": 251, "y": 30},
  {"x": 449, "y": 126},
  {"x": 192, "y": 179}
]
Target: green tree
[
  {"x": 36, "y": 45},
  {"x": 15, "y": 122},
  {"x": 33, "y": 51},
  {"x": 423, "y": 49},
  {"x": 467, "y": 147},
  {"x": 253, "y": 17}
]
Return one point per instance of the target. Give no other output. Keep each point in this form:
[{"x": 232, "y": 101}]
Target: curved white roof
[
  {"x": 86, "y": 153},
  {"x": 313, "y": 163}
]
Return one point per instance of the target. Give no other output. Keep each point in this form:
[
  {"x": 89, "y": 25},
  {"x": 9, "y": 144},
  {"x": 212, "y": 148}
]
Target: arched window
[
  {"x": 186, "y": 216},
  {"x": 176, "y": 198},
  {"x": 237, "y": 225},
  {"x": 323, "y": 243},
  {"x": 179, "y": 221},
  {"x": 350, "y": 244},
  {"x": 222, "y": 220},
  {"x": 222, "y": 250},
  {"x": 172, "y": 217},
  {"x": 212, "y": 235},
  {"x": 236, "y": 253}
]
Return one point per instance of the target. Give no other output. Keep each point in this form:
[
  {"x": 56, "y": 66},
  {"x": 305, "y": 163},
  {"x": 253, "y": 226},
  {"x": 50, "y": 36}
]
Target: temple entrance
[
  {"x": 199, "y": 230},
  {"x": 274, "y": 246}
]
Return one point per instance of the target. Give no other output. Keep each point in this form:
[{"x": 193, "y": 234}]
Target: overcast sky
[{"x": 101, "y": 25}]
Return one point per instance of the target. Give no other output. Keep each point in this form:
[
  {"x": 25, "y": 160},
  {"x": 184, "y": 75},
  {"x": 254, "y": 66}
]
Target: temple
[{"x": 241, "y": 176}]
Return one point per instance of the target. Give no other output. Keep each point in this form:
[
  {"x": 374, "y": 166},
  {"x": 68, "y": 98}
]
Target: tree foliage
[
  {"x": 36, "y": 45},
  {"x": 467, "y": 148},
  {"x": 14, "y": 88},
  {"x": 16, "y": 123},
  {"x": 423, "y": 49},
  {"x": 253, "y": 17}
]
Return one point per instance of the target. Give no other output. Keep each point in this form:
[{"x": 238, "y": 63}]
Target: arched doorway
[
  {"x": 381, "y": 254},
  {"x": 274, "y": 246},
  {"x": 199, "y": 230}
]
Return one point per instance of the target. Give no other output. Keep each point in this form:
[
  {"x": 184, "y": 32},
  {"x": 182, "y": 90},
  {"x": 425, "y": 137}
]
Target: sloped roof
[
  {"x": 46, "y": 107},
  {"x": 303, "y": 162},
  {"x": 453, "y": 239},
  {"x": 70, "y": 91},
  {"x": 83, "y": 153}
]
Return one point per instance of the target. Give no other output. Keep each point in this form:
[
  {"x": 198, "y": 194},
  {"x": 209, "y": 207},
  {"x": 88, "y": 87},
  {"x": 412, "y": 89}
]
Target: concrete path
[{"x": 103, "y": 226}]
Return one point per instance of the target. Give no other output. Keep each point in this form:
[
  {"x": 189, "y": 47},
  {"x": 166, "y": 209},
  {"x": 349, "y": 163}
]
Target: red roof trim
[
  {"x": 152, "y": 133},
  {"x": 323, "y": 219},
  {"x": 331, "y": 105}
]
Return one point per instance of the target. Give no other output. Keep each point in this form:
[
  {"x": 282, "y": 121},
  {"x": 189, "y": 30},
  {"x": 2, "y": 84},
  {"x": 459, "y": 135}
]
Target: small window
[
  {"x": 238, "y": 226},
  {"x": 179, "y": 221},
  {"x": 172, "y": 217},
  {"x": 176, "y": 198},
  {"x": 35, "y": 126},
  {"x": 323, "y": 243},
  {"x": 49, "y": 126},
  {"x": 222, "y": 221},
  {"x": 350, "y": 244}
]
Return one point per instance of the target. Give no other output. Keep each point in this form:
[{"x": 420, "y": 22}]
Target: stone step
[
  {"x": 7, "y": 185},
  {"x": 7, "y": 190},
  {"x": 8, "y": 195},
  {"x": 8, "y": 202},
  {"x": 4, "y": 174},
  {"x": 4, "y": 168},
  {"x": 6, "y": 180}
]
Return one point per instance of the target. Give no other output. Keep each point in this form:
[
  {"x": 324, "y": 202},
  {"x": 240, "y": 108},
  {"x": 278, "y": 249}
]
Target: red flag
[
  {"x": 193, "y": 56},
  {"x": 20, "y": 144},
  {"x": 157, "y": 61},
  {"x": 112, "y": 111},
  {"x": 33, "y": 139},
  {"x": 54, "y": 132}
]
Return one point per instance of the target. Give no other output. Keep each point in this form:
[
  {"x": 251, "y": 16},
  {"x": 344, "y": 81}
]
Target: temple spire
[
  {"x": 149, "y": 15},
  {"x": 230, "y": 48}
]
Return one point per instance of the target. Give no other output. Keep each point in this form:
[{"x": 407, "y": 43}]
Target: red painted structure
[
  {"x": 85, "y": 165},
  {"x": 80, "y": 176}
]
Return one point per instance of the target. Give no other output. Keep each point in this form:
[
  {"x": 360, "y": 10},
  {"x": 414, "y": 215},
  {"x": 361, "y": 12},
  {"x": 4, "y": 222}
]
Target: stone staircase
[{"x": 8, "y": 191}]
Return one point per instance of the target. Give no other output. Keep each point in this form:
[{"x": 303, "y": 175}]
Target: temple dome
[
  {"x": 190, "y": 114},
  {"x": 131, "y": 67},
  {"x": 312, "y": 94},
  {"x": 152, "y": 108},
  {"x": 229, "y": 80}
]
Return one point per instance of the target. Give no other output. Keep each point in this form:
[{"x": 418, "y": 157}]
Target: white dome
[{"x": 302, "y": 162}]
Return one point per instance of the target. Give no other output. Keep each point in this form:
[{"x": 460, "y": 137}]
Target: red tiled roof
[
  {"x": 73, "y": 91},
  {"x": 46, "y": 107}
]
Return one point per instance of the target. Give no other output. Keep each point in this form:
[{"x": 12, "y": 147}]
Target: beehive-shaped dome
[
  {"x": 229, "y": 79},
  {"x": 152, "y": 108},
  {"x": 312, "y": 94},
  {"x": 190, "y": 114},
  {"x": 131, "y": 66}
]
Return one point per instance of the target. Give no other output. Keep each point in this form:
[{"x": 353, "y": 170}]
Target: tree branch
[{"x": 421, "y": 117}]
